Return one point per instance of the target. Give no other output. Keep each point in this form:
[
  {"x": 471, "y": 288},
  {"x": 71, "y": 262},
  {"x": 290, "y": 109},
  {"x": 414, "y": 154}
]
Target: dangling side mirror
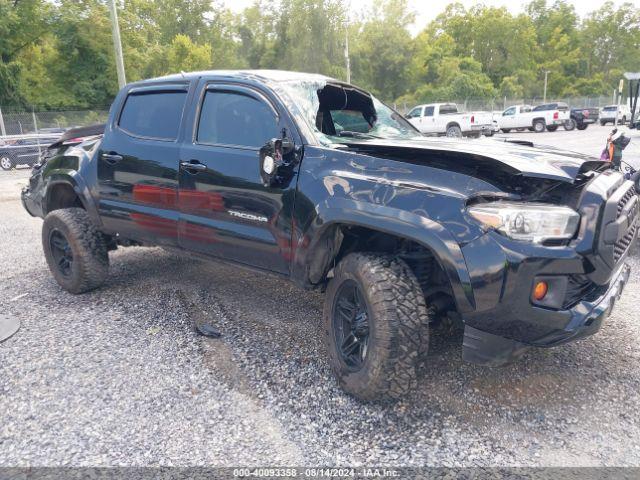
[{"x": 274, "y": 161}]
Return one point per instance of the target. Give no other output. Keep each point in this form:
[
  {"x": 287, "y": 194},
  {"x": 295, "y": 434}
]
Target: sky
[{"x": 427, "y": 10}]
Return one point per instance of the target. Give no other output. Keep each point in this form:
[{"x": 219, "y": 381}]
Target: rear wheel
[
  {"x": 505, "y": 130},
  {"x": 539, "y": 126},
  {"x": 6, "y": 162},
  {"x": 75, "y": 250},
  {"x": 552, "y": 128},
  {"x": 376, "y": 325},
  {"x": 454, "y": 131}
]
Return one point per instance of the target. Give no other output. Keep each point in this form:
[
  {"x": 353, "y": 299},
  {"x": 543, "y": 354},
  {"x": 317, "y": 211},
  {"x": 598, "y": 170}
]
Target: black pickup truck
[{"x": 317, "y": 181}]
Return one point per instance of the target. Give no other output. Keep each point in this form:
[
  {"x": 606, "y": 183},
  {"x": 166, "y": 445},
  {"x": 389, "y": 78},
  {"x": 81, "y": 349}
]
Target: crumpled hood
[{"x": 538, "y": 162}]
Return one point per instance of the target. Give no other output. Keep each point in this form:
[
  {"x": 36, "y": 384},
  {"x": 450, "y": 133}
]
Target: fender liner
[
  {"x": 422, "y": 230},
  {"x": 74, "y": 180}
]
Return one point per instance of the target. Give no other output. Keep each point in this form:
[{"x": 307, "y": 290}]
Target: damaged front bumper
[{"x": 586, "y": 318}]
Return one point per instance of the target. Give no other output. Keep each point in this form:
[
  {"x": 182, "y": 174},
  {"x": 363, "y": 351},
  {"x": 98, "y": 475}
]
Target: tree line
[{"x": 57, "y": 55}]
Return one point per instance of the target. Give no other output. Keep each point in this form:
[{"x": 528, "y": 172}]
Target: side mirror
[{"x": 275, "y": 167}]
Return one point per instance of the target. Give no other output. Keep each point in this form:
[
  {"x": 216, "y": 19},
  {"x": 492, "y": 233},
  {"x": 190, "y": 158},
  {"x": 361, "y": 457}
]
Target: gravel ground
[{"x": 118, "y": 377}]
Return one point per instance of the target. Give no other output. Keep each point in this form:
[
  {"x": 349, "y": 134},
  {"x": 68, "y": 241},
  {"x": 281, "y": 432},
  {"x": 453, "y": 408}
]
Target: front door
[
  {"x": 138, "y": 165},
  {"x": 225, "y": 209}
]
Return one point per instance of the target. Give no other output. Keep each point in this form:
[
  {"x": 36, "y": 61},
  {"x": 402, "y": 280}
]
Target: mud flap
[{"x": 490, "y": 350}]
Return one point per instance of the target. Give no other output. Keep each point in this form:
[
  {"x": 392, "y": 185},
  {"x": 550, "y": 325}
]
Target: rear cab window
[
  {"x": 154, "y": 113},
  {"x": 448, "y": 109}
]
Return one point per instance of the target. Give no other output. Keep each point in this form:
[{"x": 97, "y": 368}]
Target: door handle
[
  {"x": 111, "y": 158},
  {"x": 193, "y": 166}
]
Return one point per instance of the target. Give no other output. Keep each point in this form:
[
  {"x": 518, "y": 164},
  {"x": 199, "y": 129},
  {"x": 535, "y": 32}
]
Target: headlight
[{"x": 533, "y": 222}]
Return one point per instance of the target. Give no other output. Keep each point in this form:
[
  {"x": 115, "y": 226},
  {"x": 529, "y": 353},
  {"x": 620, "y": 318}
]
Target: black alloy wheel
[
  {"x": 61, "y": 252},
  {"x": 351, "y": 325}
]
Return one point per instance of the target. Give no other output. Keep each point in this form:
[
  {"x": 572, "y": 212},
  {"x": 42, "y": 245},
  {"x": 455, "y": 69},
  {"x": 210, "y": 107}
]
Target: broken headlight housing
[{"x": 533, "y": 222}]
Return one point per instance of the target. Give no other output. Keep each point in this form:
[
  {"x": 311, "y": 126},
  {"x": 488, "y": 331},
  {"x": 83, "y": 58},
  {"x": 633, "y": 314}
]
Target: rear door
[
  {"x": 225, "y": 210},
  {"x": 428, "y": 124},
  {"x": 138, "y": 164},
  {"x": 27, "y": 151}
]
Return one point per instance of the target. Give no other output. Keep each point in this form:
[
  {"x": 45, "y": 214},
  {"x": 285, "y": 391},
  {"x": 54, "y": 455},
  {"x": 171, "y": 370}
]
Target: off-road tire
[
  {"x": 6, "y": 162},
  {"x": 539, "y": 126},
  {"x": 398, "y": 322},
  {"x": 88, "y": 246},
  {"x": 552, "y": 128}
]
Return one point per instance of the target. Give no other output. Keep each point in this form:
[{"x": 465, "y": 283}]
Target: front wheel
[
  {"x": 75, "y": 250},
  {"x": 505, "y": 130},
  {"x": 582, "y": 126},
  {"x": 623, "y": 121},
  {"x": 552, "y": 128},
  {"x": 602, "y": 123},
  {"x": 376, "y": 326},
  {"x": 454, "y": 131},
  {"x": 6, "y": 163},
  {"x": 569, "y": 125}
]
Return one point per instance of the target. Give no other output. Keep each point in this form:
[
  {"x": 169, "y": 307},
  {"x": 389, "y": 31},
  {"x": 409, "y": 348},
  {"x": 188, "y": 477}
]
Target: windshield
[{"x": 337, "y": 113}]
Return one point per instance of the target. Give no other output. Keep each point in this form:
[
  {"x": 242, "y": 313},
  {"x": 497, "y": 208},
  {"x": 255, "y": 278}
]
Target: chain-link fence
[
  {"x": 500, "y": 104},
  {"x": 15, "y": 122}
]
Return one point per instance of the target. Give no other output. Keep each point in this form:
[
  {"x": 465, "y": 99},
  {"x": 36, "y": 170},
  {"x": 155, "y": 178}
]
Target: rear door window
[
  {"x": 156, "y": 114},
  {"x": 428, "y": 111}
]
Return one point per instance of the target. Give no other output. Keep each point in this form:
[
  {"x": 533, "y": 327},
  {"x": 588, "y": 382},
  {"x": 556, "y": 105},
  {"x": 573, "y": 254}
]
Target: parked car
[
  {"x": 563, "y": 118},
  {"x": 446, "y": 119},
  {"x": 526, "y": 247},
  {"x": 608, "y": 114},
  {"x": 22, "y": 151},
  {"x": 583, "y": 117},
  {"x": 52, "y": 130},
  {"x": 534, "y": 119}
]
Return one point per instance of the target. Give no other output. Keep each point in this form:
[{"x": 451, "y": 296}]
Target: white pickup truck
[
  {"x": 535, "y": 119},
  {"x": 445, "y": 119}
]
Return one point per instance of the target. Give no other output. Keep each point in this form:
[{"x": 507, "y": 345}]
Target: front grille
[
  {"x": 625, "y": 199},
  {"x": 621, "y": 246}
]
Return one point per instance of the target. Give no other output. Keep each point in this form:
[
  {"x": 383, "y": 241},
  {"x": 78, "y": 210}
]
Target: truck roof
[
  {"x": 261, "y": 75},
  {"x": 435, "y": 104}
]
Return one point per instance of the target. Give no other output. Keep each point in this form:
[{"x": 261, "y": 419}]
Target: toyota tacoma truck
[
  {"x": 445, "y": 119},
  {"x": 317, "y": 181}
]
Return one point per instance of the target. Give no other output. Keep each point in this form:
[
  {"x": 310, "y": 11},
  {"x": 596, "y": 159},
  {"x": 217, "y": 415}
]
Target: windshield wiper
[{"x": 349, "y": 133}]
